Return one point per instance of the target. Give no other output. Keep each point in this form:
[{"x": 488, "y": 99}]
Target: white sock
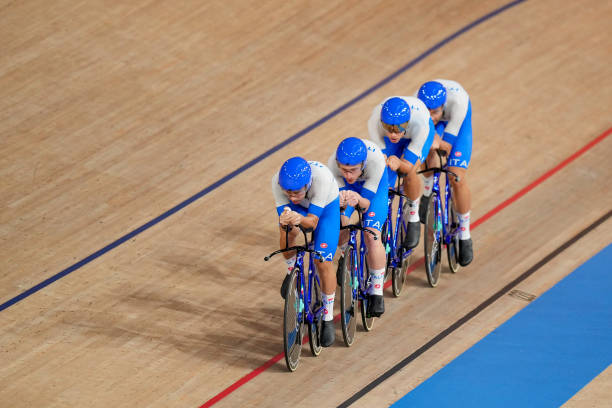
[
  {"x": 411, "y": 210},
  {"x": 464, "y": 225},
  {"x": 328, "y": 305},
  {"x": 377, "y": 278},
  {"x": 427, "y": 185},
  {"x": 290, "y": 262}
]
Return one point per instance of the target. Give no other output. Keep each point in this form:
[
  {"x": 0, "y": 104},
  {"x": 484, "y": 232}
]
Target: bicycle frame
[
  {"x": 443, "y": 214},
  {"x": 305, "y": 296},
  {"x": 306, "y": 293},
  {"x": 360, "y": 287},
  {"x": 392, "y": 231}
]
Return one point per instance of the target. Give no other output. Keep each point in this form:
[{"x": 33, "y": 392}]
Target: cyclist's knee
[
  {"x": 369, "y": 238},
  {"x": 323, "y": 266},
  {"x": 461, "y": 172}
]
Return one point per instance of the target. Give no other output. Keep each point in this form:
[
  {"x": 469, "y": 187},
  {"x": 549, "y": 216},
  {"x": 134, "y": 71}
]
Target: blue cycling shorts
[
  {"x": 328, "y": 228},
  {"x": 461, "y": 153},
  {"x": 376, "y": 214},
  {"x": 400, "y": 148}
]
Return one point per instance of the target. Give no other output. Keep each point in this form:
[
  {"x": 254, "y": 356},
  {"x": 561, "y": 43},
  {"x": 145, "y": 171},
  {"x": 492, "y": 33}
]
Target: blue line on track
[
  {"x": 541, "y": 357},
  {"x": 256, "y": 160}
]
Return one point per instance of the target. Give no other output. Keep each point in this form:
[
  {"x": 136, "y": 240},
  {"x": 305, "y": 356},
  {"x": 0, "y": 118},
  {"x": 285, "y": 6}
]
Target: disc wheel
[
  {"x": 293, "y": 324},
  {"x": 432, "y": 244},
  {"x": 314, "y": 329},
  {"x": 452, "y": 249},
  {"x": 348, "y": 296}
]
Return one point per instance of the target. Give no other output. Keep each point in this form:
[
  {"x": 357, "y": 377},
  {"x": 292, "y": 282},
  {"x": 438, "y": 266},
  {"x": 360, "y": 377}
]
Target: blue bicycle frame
[
  {"x": 305, "y": 296},
  {"x": 443, "y": 215}
]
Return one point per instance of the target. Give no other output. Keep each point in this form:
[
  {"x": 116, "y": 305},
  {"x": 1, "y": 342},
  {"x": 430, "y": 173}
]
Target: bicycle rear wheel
[
  {"x": 452, "y": 249},
  {"x": 368, "y": 322},
  {"x": 293, "y": 323},
  {"x": 314, "y": 328},
  {"x": 399, "y": 272},
  {"x": 348, "y": 290},
  {"x": 432, "y": 244}
]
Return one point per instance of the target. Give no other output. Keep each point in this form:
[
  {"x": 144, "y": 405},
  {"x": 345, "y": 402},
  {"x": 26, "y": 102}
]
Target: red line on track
[{"x": 419, "y": 262}]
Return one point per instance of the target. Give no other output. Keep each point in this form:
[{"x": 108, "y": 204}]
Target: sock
[
  {"x": 464, "y": 225},
  {"x": 290, "y": 262},
  {"x": 328, "y": 305},
  {"x": 427, "y": 186},
  {"x": 411, "y": 210},
  {"x": 377, "y": 278}
]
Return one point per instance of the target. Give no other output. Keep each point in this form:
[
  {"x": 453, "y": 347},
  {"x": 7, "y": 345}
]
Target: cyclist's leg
[
  {"x": 458, "y": 162},
  {"x": 413, "y": 187},
  {"x": 325, "y": 241},
  {"x": 373, "y": 220},
  {"x": 432, "y": 161},
  {"x": 287, "y": 240}
]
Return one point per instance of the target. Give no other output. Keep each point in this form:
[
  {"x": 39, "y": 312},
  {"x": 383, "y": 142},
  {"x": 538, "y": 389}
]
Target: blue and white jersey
[
  {"x": 455, "y": 109},
  {"x": 372, "y": 173},
  {"x": 417, "y": 130},
  {"x": 323, "y": 191}
]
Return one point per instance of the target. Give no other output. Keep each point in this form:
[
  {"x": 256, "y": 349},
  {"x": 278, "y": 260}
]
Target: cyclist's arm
[
  {"x": 405, "y": 166},
  {"x": 364, "y": 203},
  {"x": 309, "y": 221}
]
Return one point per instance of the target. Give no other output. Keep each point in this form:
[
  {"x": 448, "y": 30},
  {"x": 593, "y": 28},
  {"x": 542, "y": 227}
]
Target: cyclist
[
  {"x": 451, "y": 111},
  {"x": 361, "y": 172},
  {"x": 402, "y": 128},
  {"x": 306, "y": 194}
]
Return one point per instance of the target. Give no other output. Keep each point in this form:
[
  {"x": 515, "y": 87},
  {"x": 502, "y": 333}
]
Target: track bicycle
[
  {"x": 354, "y": 281},
  {"x": 393, "y": 234},
  {"x": 441, "y": 224},
  {"x": 303, "y": 302}
]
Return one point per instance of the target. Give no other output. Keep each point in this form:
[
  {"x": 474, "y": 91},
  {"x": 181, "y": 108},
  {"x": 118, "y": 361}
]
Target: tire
[
  {"x": 368, "y": 322},
  {"x": 293, "y": 324},
  {"x": 348, "y": 297},
  {"x": 314, "y": 329},
  {"x": 399, "y": 273},
  {"x": 432, "y": 243},
  {"x": 385, "y": 236},
  {"x": 452, "y": 249}
]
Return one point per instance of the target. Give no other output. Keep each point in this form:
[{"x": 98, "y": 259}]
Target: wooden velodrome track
[{"x": 112, "y": 113}]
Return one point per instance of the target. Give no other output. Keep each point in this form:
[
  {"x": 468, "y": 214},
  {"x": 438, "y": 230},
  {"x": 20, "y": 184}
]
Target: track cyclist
[
  {"x": 402, "y": 127},
  {"x": 451, "y": 111},
  {"x": 306, "y": 194},
  {"x": 361, "y": 172}
]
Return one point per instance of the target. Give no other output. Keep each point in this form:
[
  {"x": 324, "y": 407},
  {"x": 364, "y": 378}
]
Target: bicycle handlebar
[
  {"x": 303, "y": 248},
  {"x": 294, "y": 248},
  {"x": 440, "y": 170},
  {"x": 353, "y": 227}
]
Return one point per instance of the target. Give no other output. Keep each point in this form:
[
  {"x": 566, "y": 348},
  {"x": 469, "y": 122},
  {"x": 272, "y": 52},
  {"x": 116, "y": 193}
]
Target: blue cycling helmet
[
  {"x": 395, "y": 111},
  {"x": 294, "y": 174},
  {"x": 351, "y": 151},
  {"x": 433, "y": 94}
]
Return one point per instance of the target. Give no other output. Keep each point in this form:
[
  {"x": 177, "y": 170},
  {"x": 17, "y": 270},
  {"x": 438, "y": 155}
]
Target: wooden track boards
[{"x": 112, "y": 114}]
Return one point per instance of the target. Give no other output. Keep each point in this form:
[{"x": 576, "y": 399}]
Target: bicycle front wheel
[
  {"x": 348, "y": 290},
  {"x": 293, "y": 322},
  {"x": 432, "y": 244},
  {"x": 452, "y": 249}
]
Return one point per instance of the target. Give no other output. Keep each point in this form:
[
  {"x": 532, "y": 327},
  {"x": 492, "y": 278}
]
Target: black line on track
[{"x": 393, "y": 370}]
